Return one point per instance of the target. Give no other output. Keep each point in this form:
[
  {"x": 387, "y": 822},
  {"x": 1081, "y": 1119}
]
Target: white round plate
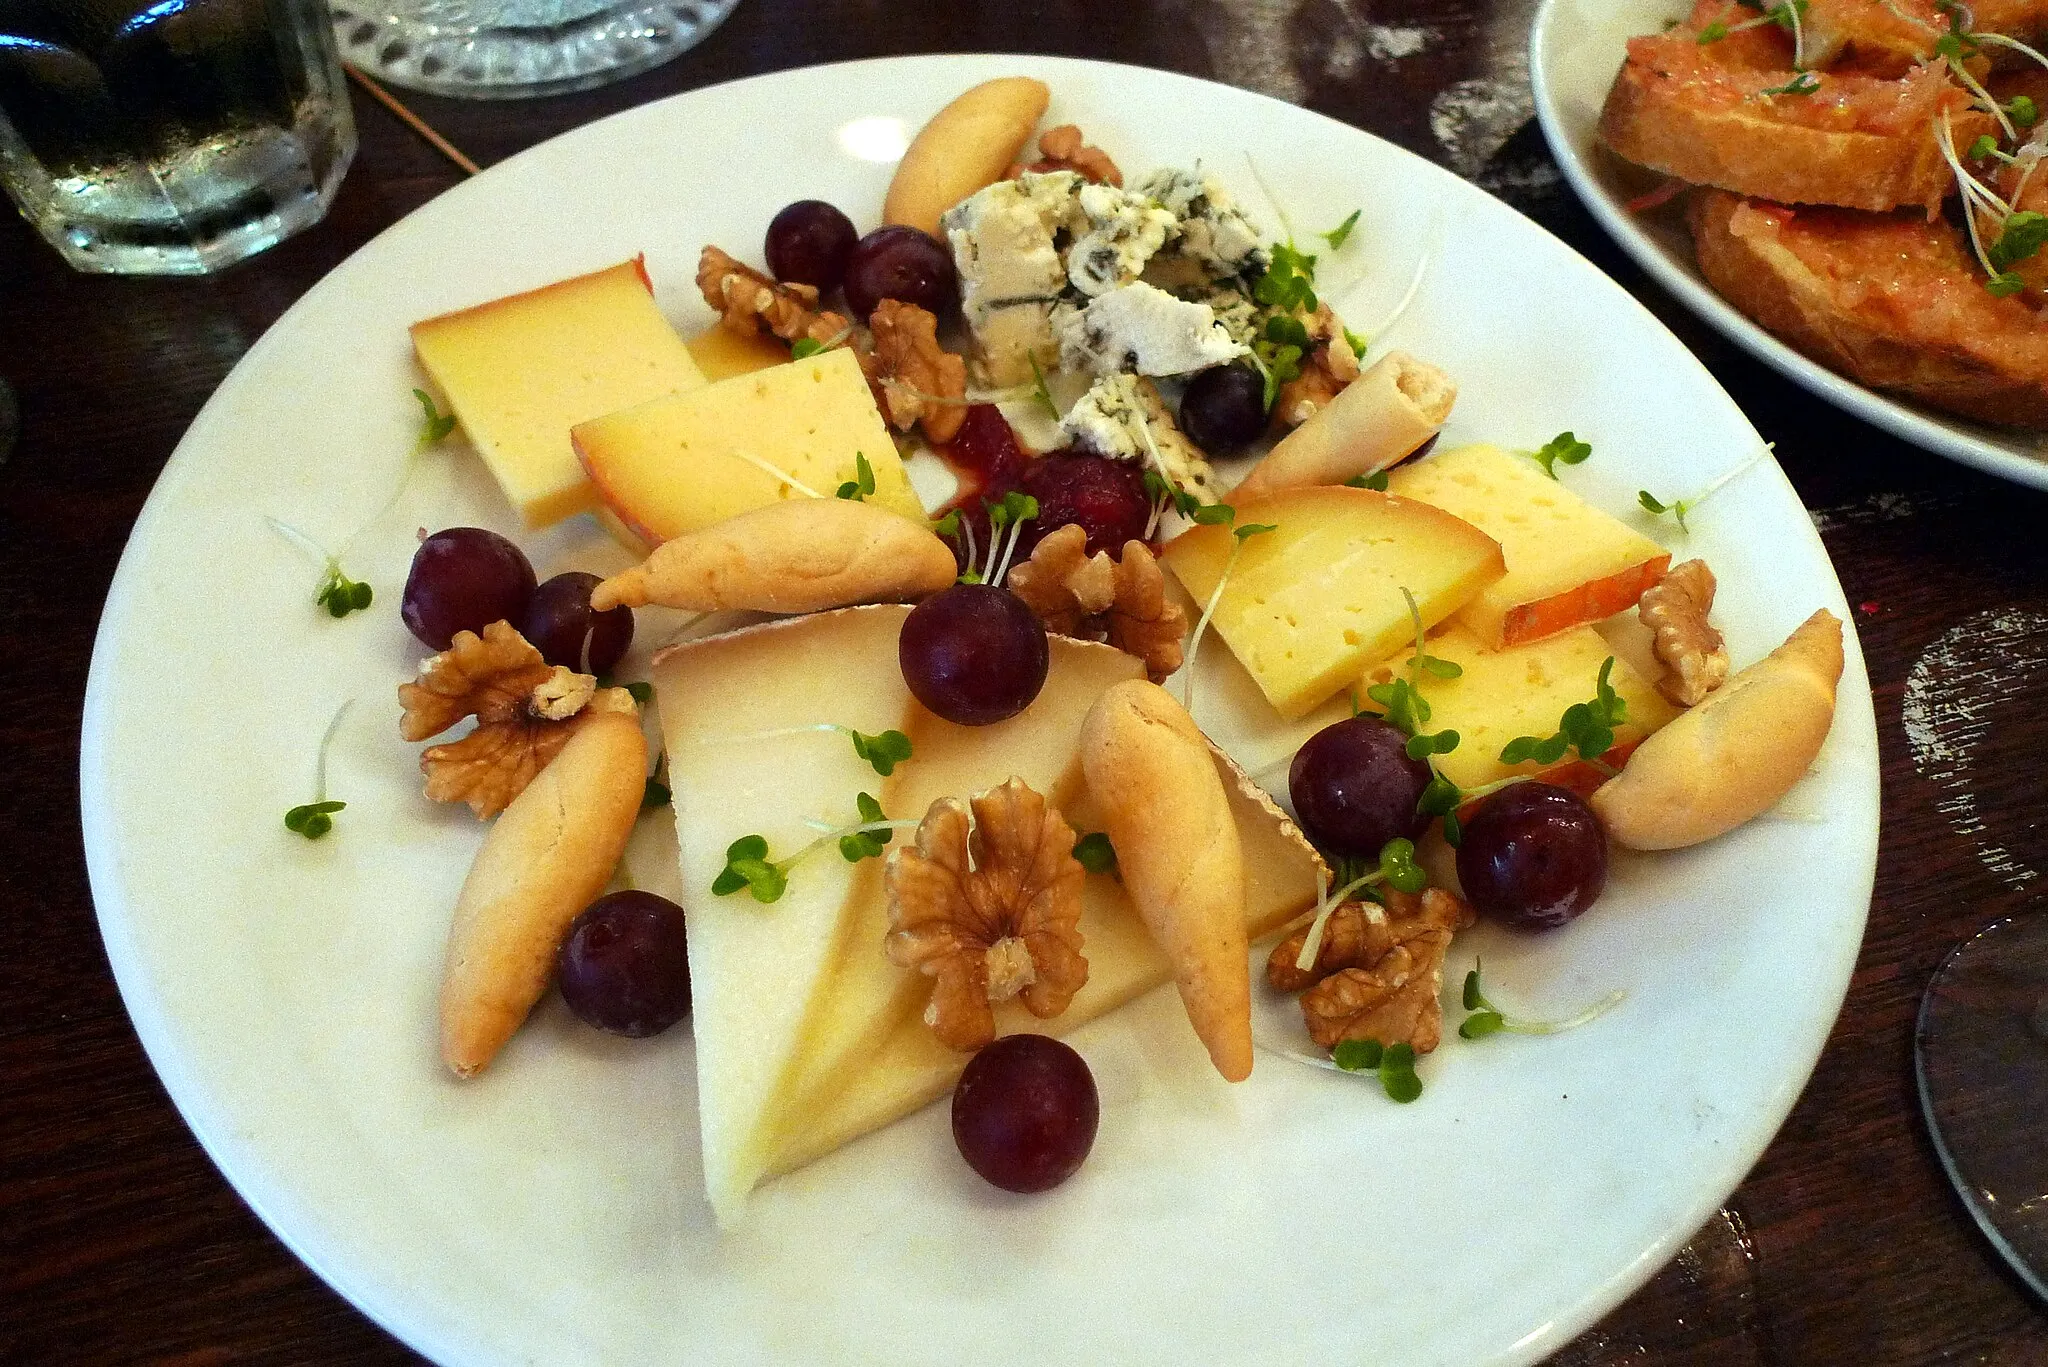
[
  {"x": 1575, "y": 47},
  {"x": 552, "y": 1210}
]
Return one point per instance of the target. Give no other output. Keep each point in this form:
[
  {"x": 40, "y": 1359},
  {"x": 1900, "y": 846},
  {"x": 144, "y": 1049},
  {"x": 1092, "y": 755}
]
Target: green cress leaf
[
  {"x": 1805, "y": 83},
  {"x": 1488, "y": 1019},
  {"x": 1357, "y": 343},
  {"x": 2021, "y": 236},
  {"x": 1439, "y": 743},
  {"x": 2005, "y": 284},
  {"x": 1095, "y": 852},
  {"x": 1564, "y": 448},
  {"x": 2022, "y": 111},
  {"x": 1397, "y": 1073},
  {"x": 1252, "y": 529},
  {"x": 1651, "y": 502},
  {"x": 1376, "y": 481},
  {"x": 864, "y": 482},
  {"x": 881, "y": 752},
  {"x": 1358, "y": 1055},
  {"x": 948, "y": 526},
  {"x": 1286, "y": 329},
  {"x": 641, "y": 691},
  {"x": 1713, "y": 33},
  {"x": 434, "y": 424},
  {"x": 805, "y": 347},
  {"x": 1398, "y": 867},
  {"x": 313, "y": 819},
  {"x": 747, "y": 866},
  {"x": 1440, "y": 797},
  {"x": 1587, "y": 727},
  {"x": 341, "y": 595},
  {"x": 1984, "y": 146},
  {"x": 1212, "y": 515},
  {"x": 1340, "y": 234},
  {"x": 1480, "y": 1024},
  {"x": 1040, "y": 392},
  {"x": 861, "y": 843}
]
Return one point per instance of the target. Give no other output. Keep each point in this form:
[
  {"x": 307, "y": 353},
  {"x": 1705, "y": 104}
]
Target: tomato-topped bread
[
  {"x": 1727, "y": 113},
  {"x": 1895, "y": 301}
]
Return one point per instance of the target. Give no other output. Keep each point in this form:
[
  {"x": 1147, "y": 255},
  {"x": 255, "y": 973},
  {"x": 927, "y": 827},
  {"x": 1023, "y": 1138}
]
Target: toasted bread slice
[
  {"x": 1892, "y": 35},
  {"x": 1894, "y": 301},
  {"x": 1705, "y": 113}
]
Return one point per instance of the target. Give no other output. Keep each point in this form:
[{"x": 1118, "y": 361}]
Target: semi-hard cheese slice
[
  {"x": 519, "y": 372},
  {"x": 735, "y": 769},
  {"x": 1312, "y": 603},
  {"x": 679, "y": 464},
  {"x": 1522, "y": 691},
  {"x": 1568, "y": 563}
]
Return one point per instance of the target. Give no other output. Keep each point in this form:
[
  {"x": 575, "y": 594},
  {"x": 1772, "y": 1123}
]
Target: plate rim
[
  {"x": 1939, "y": 434},
  {"x": 390, "y": 1307}
]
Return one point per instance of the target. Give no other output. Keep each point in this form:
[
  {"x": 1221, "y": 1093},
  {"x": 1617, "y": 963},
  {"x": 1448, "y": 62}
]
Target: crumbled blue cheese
[
  {"x": 1124, "y": 418},
  {"x": 1010, "y": 271},
  {"x": 1115, "y": 234},
  {"x": 1212, "y": 229},
  {"x": 1235, "y": 314},
  {"x": 1140, "y": 327}
]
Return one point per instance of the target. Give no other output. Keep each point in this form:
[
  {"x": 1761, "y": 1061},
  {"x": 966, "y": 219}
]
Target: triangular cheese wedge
[{"x": 807, "y": 1036}]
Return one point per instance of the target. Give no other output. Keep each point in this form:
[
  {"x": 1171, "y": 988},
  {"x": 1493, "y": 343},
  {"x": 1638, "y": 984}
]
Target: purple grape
[
  {"x": 1533, "y": 856},
  {"x": 1355, "y": 788},
  {"x": 464, "y": 579},
  {"x": 558, "y": 621},
  {"x": 1223, "y": 409},
  {"x": 901, "y": 263},
  {"x": 625, "y": 966},
  {"x": 1025, "y": 1113},
  {"x": 973, "y": 654},
  {"x": 809, "y": 242}
]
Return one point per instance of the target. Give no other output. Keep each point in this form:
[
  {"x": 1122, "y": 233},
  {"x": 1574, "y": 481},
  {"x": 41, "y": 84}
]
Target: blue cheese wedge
[
  {"x": 1010, "y": 272},
  {"x": 1143, "y": 329},
  {"x": 1212, "y": 230},
  {"x": 1124, "y": 418},
  {"x": 1116, "y": 234}
]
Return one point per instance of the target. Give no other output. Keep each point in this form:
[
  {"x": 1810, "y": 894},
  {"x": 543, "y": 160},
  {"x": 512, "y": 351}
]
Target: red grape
[
  {"x": 809, "y": 242},
  {"x": 558, "y": 622},
  {"x": 902, "y": 263},
  {"x": 1355, "y": 788},
  {"x": 1533, "y": 856},
  {"x": 625, "y": 966},
  {"x": 1223, "y": 409},
  {"x": 1025, "y": 1112},
  {"x": 1105, "y": 498},
  {"x": 973, "y": 654},
  {"x": 464, "y": 579}
]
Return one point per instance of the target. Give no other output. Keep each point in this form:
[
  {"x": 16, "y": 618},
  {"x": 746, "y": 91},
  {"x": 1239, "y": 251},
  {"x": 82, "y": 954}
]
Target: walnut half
[
  {"x": 1092, "y": 597},
  {"x": 1379, "y": 972},
  {"x": 915, "y": 379},
  {"x": 748, "y": 301},
  {"x": 1063, "y": 149},
  {"x": 525, "y": 710},
  {"x": 988, "y": 902},
  {"x": 1694, "y": 656}
]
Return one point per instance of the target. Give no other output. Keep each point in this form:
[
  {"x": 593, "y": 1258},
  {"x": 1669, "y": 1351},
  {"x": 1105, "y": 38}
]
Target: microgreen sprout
[
  {"x": 881, "y": 752},
  {"x": 1095, "y": 852},
  {"x": 1404, "y": 707},
  {"x": 1586, "y": 727},
  {"x": 1340, "y": 234},
  {"x": 1277, "y": 350},
  {"x": 641, "y": 691},
  {"x": 862, "y": 484},
  {"x": 1289, "y": 281},
  {"x": 434, "y": 424},
  {"x": 1396, "y": 868},
  {"x": 1805, "y": 83},
  {"x": 803, "y": 348},
  {"x": 337, "y": 593},
  {"x": 1216, "y": 514},
  {"x": 1040, "y": 392},
  {"x": 1393, "y": 1064},
  {"x": 1562, "y": 449},
  {"x": 1682, "y": 508},
  {"x": 960, "y": 532},
  {"x": 1013, "y": 511},
  {"x": 748, "y": 866},
  {"x": 1376, "y": 481},
  {"x": 1488, "y": 1019},
  {"x": 316, "y": 818}
]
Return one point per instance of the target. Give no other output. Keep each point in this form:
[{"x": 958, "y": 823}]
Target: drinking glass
[
  {"x": 502, "y": 49},
  {"x": 170, "y": 137}
]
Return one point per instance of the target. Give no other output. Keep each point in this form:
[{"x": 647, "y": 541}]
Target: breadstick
[
  {"x": 549, "y": 854},
  {"x": 967, "y": 145},
  {"x": 1176, "y": 843},
  {"x": 1382, "y": 416},
  {"x": 1735, "y": 754},
  {"x": 800, "y": 555}
]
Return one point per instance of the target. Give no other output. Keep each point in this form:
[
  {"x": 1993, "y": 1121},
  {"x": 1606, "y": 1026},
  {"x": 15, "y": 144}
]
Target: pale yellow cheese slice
[
  {"x": 722, "y": 353},
  {"x": 1309, "y": 605},
  {"x": 1568, "y": 563},
  {"x": 1521, "y": 691},
  {"x": 680, "y": 464},
  {"x": 519, "y": 372}
]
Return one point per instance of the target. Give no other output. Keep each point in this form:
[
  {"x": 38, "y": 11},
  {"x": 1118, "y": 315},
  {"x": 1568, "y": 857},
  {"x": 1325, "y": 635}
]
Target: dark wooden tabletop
[{"x": 120, "y": 1243}]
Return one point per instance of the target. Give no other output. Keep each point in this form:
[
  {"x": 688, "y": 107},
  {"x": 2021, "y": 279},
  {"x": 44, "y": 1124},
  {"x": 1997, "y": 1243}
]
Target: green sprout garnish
[
  {"x": 863, "y": 483},
  {"x": 1562, "y": 449},
  {"x": 1376, "y": 481},
  {"x": 1357, "y": 343},
  {"x": 803, "y": 348},
  {"x": 1338, "y": 235},
  {"x": 1013, "y": 511},
  {"x": 1278, "y": 349},
  {"x": 1985, "y": 146},
  {"x": 1678, "y": 507},
  {"x": 1586, "y": 727},
  {"x": 2022, "y": 111},
  {"x": 1805, "y": 83},
  {"x": 1289, "y": 281},
  {"x": 1713, "y": 33},
  {"x": 1396, "y": 868},
  {"x": 1238, "y": 536},
  {"x": 1405, "y": 709},
  {"x": 1095, "y": 852},
  {"x": 434, "y": 424},
  {"x": 1488, "y": 1019},
  {"x": 316, "y": 818},
  {"x": 337, "y": 593},
  {"x": 641, "y": 690},
  {"x": 2020, "y": 237},
  {"x": 1041, "y": 392},
  {"x": 748, "y": 866},
  {"x": 1393, "y": 1063},
  {"x": 1682, "y": 508},
  {"x": 882, "y": 752}
]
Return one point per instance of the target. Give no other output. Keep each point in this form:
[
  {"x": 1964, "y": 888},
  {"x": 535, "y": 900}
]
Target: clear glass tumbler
[
  {"x": 170, "y": 137},
  {"x": 506, "y": 49}
]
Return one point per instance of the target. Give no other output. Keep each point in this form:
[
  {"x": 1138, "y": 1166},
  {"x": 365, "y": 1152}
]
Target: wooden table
[{"x": 120, "y": 1243}]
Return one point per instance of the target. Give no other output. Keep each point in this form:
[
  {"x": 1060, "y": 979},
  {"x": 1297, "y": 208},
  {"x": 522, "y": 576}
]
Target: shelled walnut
[
  {"x": 1694, "y": 656},
  {"x": 748, "y": 301},
  {"x": 916, "y": 381},
  {"x": 1378, "y": 973},
  {"x": 1092, "y": 597},
  {"x": 1062, "y": 149}
]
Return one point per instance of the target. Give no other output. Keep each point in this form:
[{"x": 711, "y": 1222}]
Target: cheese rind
[
  {"x": 1311, "y": 604},
  {"x": 1568, "y": 563},
  {"x": 680, "y": 464},
  {"x": 519, "y": 372}
]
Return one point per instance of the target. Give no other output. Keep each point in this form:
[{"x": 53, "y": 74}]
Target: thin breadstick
[{"x": 1381, "y": 417}]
